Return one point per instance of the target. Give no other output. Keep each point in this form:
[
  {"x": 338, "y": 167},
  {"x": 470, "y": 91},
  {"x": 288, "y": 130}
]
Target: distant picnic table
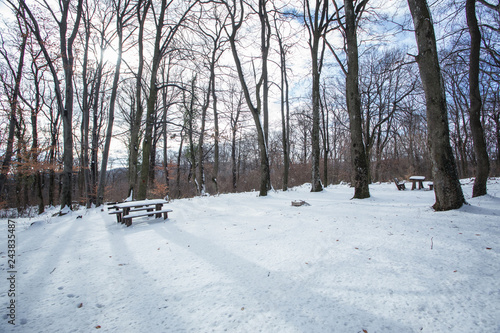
[
  {"x": 126, "y": 211},
  {"x": 419, "y": 180}
]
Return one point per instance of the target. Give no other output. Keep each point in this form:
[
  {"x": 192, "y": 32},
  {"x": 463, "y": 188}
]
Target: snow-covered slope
[{"x": 243, "y": 263}]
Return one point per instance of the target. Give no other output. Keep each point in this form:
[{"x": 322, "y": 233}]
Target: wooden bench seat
[
  {"x": 149, "y": 209},
  {"x": 400, "y": 185},
  {"x": 119, "y": 213},
  {"x": 127, "y": 219}
]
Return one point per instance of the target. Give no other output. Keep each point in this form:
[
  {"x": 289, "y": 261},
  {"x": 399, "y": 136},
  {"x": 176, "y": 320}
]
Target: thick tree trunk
[
  {"x": 447, "y": 187},
  {"x": 151, "y": 103},
  {"x": 482, "y": 161},
  {"x": 358, "y": 153},
  {"x": 147, "y": 141}
]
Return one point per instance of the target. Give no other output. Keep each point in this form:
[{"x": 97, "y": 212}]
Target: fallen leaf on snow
[{"x": 80, "y": 305}]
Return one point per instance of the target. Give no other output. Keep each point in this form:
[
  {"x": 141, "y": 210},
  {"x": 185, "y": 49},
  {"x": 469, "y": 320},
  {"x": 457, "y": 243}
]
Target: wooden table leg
[
  {"x": 126, "y": 211},
  {"x": 158, "y": 207}
]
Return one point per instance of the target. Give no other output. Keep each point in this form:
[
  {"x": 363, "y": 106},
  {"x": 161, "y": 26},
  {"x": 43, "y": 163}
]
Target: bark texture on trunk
[
  {"x": 447, "y": 187},
  {"x": 482, "y": 161},
  {"x": 358, "y": 153}
]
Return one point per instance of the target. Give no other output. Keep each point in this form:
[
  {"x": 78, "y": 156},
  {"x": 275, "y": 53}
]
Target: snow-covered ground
[{"x": 243, "y": 263}]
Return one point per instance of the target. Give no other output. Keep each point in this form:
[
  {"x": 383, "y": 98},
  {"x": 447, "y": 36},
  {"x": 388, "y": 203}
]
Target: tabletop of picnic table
[{"x": 138, "y": 203}]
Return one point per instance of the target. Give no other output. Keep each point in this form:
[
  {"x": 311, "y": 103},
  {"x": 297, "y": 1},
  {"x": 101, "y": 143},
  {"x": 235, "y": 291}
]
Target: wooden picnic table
[
  {"x": 126, "y": 211},
  {"x": 415, "y": 180}
]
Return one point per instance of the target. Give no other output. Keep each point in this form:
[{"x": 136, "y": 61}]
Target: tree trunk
[
  {"x": 234, "y": 130},
  {"x": 66, "y": 48},
  {"x": 164, "y": 130},
  {"x": 325, "y": 136},
  {"x": 285, "y": 118},
  {"x": 216, "y": 139},
  {"x": 178, "y": 174},
  {"x": 136, "y": 118},
  {"x": 92, "y": 172},
  {"x": 265, "y": 177},
  {"x": 358, "y": 153},
  {"x": 34, "y": 147},
  {"x": 316, "y": 185},
  {"x": 447, "y": 187},
  {"x": 482, "y": 161},
  {"x": 84, "y": 128},
  {"x": 316, "y": 20},
  {"x": 13, "y": 99},
  {"x": 204, "y": 108},
  {"x": 112, "y": 102}
]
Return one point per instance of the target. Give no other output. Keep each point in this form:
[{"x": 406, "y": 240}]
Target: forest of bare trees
[{"x": 109, "y": 99}]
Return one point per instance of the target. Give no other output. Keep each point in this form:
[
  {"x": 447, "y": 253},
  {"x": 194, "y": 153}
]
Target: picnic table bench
[
  {"x": 127, "y": 211},
  {"x": 400, "y": 185}
]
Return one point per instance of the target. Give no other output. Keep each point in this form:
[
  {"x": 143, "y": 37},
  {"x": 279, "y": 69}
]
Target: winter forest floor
[{"x": 243, "y": 263}]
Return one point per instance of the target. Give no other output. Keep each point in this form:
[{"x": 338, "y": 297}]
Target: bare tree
[
  {"x": 483, "y": 164},
  {"x": 124, "y": 13},
  {"x": 385, "y": 83},
  {"x": 349, "y": 27},
  {"x": 84, "y": 178},
  {"x": 447, "y": 187},
  {"x": 66, "y": 108},
  {"x": 212, "y": 50},
  {"x": 284, "y": 95},
  {"x": 38, "y": 96},
  {"x": 237, "y": 17},
  {"x": 162, "y": 44},
  {"x": 137, "y": 112},
  {"x": 316, "y": 19},
  {"x": 12, "y": 91}
]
